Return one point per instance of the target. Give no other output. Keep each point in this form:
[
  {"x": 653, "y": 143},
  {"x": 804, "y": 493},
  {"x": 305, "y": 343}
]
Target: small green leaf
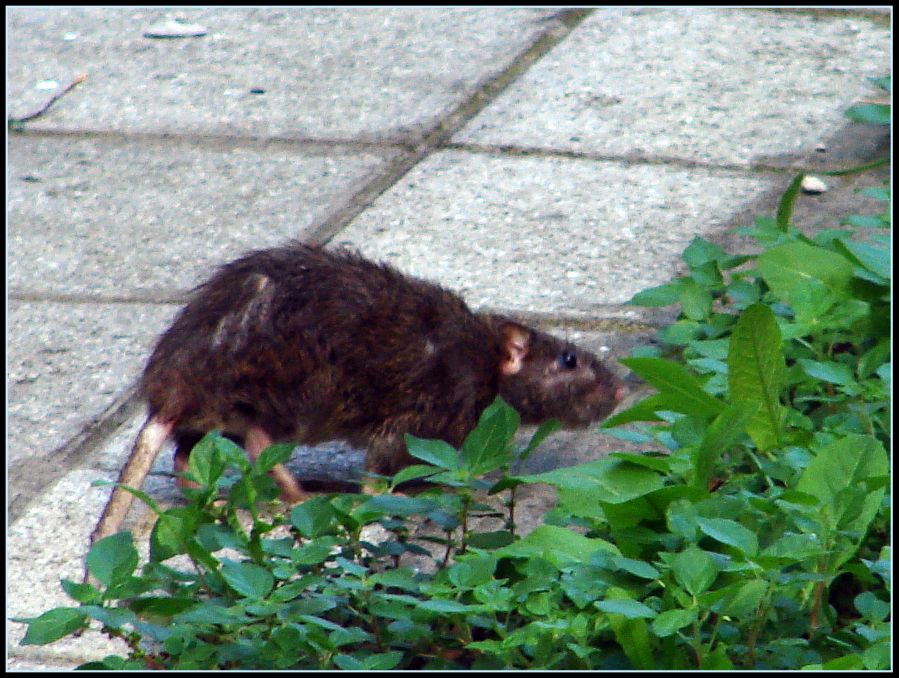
[
  {"x": 730, "y": 532},
  {"x": 745, "y": 599},
  {"x": 436, "y": 452},
  {"x": 413, "y": 472},
  {"x": 112, "y": 559},
  {"x": 445, "y": 606},
  {"x": 701, "y": 251},
  {"x": 696, "y": 302},
  {"x": 878, "y": 260},
  {"x": 829, "y": 371},
  {"x": 557, "y": 545},
  {"x": 638, "y": 568},
  {"x": 486, "y": 448},
  {"x": 247, "y": 579},
  {"x": 629, "y": 609},
  {"x": 671, "y": 621},
  {"x": 82, "y": 593},
  {"x": 274, "y": 455},
  {"x": 205, "y": 463},
  {"x": 397, "y": 504},
  {"x": 871, "y": 606},
  {"x": 53, "y": 625},
  {"x": 313, "y": 518},
  {"x": 169, "y": 533},
  {"x": 663, "y": 295},
  {"x": 695, "y": 570}
]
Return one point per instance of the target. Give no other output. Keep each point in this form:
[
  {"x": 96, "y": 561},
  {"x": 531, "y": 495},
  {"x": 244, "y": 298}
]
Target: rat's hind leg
[{"x": 146, "y": 448}]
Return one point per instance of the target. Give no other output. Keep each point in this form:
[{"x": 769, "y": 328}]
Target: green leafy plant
[{"x": 753, "y": 536}]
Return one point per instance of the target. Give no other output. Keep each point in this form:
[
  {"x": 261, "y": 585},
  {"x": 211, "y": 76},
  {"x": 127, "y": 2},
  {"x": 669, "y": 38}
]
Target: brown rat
[{"x": 302, "y": 344}]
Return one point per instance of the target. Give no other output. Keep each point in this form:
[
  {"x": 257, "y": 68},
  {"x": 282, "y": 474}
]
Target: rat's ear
[{"x": 516, "y": 340}]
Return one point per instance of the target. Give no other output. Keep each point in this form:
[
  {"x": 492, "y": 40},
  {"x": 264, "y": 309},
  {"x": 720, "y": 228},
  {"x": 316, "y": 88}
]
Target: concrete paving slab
[
  {"x": 108, "y": 215},
  {"x": 710, "y": 85},
  {"x": 46, "y": 545},
  {"x": 365, "y": 73},
  {"x": 545, "y": 234},
  {"x": 66, "y": 363}
]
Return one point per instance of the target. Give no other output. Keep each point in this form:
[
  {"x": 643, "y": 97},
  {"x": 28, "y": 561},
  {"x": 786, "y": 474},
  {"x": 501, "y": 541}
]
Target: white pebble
[
  {"x": 47, "y": 85},
  {"x": 174, "y": 29},
  {"x": 813, "y": 185}
]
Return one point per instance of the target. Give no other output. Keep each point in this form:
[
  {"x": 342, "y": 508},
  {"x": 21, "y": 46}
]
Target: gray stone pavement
[{"x": 545, "y": 162}]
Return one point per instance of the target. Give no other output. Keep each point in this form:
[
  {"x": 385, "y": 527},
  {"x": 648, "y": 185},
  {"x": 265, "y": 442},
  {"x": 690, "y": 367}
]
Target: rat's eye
[{"x": 568, "y": 359}]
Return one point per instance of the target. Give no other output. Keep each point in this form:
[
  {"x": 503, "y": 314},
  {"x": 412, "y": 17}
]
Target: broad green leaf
[
  {"x": 112, "y": 559},
  {"x": 52, "y": 625},
  {"x": 810, "y": 299},
  {"x": 436, "y": 452},
  {"x": 744, "y": 599},
  {"x": 557, "y": 545},
  {"x": 247, "y": 579},
  {"x": 81, "y": 592},
  {"x": 491, "y": 540},
  {"x": 313, "y": 517},
  {"x": 446, "y": 606},
  {"x": 730, "y": 532},
  {"x": 205, "y": 463},
  {"x": 871, "y": 606},
  {"x": 695, "y": 570},
  {"x": 785, "y": 266},
  {"x": 679, "y": 388},
  {"x": 638, "y": 568},
  {"x": 701, "y": 251},
  {"x": 397, "y": 504},
  {"x": 874, "y": 358},
  {"x": 839, "y": 467},
  {"x": 413, "y": 472},
  {"x": 274, "y": 455},
  {"x": 630, "y": 609},
  {"x": 611, "y": 480},
  {"x": 671, "y": 621},
  {"x": 850, "y": 662},
  {"x": 209, "y": 612},
  {"x": 795, "y": 547},
  {"x": 663, "y": 295},
  {"x": 756, "y": 372},
  {"x": 829, "y": 371},
  {"x": 878, "y": 260},
  {"x": 169, "y": 533},
  {"x": 696, "y": 302},
  {"x": 162, "y": 607},
  {"x": 486, "y": 448}
]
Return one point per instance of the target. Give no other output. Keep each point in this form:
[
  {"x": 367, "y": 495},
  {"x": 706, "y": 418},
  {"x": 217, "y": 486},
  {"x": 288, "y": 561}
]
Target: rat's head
[{"x": 544, "y": 378}]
